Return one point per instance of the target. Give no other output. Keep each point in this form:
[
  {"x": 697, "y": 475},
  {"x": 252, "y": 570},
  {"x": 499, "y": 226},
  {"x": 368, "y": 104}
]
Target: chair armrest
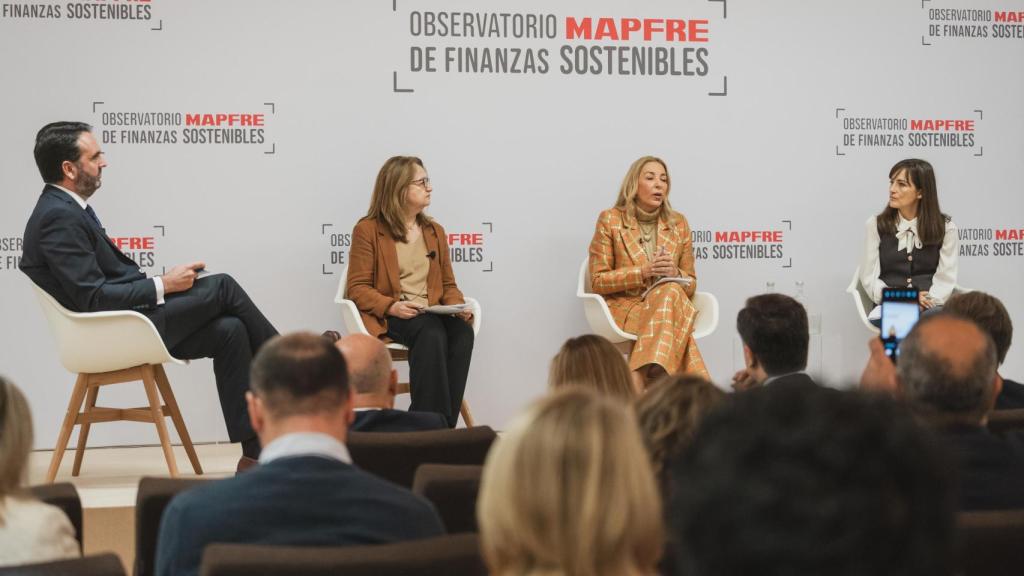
[
  {"x": 707, "y": 314},
  {"x": 351, "y": 319},
  {"x": 599, "y": 317},
  {"x": 477, "y": 314},
  {"x": 859, "y": 297}
]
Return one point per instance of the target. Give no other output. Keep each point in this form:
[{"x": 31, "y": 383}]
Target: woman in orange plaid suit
[{"x": 638, "y": 241}]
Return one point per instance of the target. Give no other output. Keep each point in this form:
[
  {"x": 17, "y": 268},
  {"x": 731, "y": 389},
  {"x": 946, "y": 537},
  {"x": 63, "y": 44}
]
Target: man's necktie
[{"x": 92, "y": 214}]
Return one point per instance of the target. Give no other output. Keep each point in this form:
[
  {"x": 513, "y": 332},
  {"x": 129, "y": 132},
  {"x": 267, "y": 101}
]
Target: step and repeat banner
[{"x": 248, "y": 133}]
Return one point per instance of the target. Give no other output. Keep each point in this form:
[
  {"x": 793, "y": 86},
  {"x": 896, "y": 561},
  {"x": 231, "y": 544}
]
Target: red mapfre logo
[
  {"x": 646, "y": 29},
  {"x": 232, "y": 119},
  {"x": 125, "y": 243},
  {"x": 748, "y": 236}
]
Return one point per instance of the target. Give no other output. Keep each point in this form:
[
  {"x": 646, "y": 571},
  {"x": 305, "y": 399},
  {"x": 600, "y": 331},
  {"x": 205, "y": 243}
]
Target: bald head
[
  {"x": 948, "y": 364},
  {"x": 369, "y": 363}
]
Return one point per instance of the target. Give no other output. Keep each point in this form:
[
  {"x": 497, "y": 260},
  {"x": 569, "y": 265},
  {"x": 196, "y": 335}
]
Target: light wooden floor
[{"x": 109, "y": 482}]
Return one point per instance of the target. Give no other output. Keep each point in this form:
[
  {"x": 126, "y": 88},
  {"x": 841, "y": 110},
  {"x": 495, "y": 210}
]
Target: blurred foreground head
[
  {"x": 802, "y": 480},
  {"x": 569, "y": 490}
]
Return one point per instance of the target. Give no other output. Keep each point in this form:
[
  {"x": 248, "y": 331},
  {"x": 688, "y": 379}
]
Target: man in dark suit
[
  {"x": 67, "y": 253},
  {"x": 374, "y": 382},
  {"x": 305, "y": 492},
  {"x": 775, "y": 335},
  {"x": 947, "y": 369},
  {"x": 991, "y": 316}
]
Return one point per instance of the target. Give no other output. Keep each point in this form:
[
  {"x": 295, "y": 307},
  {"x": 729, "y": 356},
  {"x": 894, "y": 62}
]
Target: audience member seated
[
  {"x": 798, "y": 480},
  {"x": 669, "y": 413},
  {"x": 773, "y": 328},
  {"x": 30, "y": 531},
  {"x": 374, "y": 383},
  {"x": 305, "y": 492},
  {"x": 568, "y": 490},
  {"x": 947, "y": 369},
  {"x": 591, "y": 361},
  {"x": 991, "y": 316}
]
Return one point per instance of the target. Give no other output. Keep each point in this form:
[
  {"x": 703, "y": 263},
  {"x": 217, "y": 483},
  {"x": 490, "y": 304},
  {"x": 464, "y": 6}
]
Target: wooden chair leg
[
  {"x": 467, "y": 416},
  {"x": 77, "y": 396},
  {"x": 83, "y": 428},
  {"x": 179, "y": 423},
  {"x": 149, "y": 381}
]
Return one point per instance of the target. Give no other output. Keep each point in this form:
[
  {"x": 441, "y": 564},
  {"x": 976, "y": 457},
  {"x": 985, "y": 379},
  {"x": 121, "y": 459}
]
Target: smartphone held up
[{"x": 900, "y": 311}]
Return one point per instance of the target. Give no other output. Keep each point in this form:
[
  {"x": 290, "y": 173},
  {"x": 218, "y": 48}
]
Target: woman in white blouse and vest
[{"x": 911, "y": 243}]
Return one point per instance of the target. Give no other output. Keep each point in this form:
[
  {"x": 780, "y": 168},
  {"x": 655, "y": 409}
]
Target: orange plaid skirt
[{"x": 663, "y": 323}]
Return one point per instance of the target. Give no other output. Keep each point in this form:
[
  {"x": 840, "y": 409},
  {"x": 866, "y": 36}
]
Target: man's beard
[{"x": 87, "y": 184}]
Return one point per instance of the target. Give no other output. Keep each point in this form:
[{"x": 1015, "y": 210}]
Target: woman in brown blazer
[
  {"x": 638, "y": 241},
  {"x": 399, "y": 265}
]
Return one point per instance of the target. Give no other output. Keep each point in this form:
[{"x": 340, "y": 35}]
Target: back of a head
[
  {"x": 15, "y": 438},
  {"x": 669, "y": 412},
  {"x": 988, "y": 313},
  {"x": 568, "y": 490},
  {"x": 591, "y": 361},
  {"x": 947, "y": 366},
  {"x": 368, "y": 361},
  {"x": 56, "y": 143},
  {"x": 795, "y": 479},
  {"x": 775, "y": 328},
  {"x": 299, "y": 373}
]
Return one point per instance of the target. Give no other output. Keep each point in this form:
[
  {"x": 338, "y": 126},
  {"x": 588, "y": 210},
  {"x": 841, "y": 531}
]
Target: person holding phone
[
  {"x": 911, "y": 243},
  {"x": 399, "y": 265},
  {"x": 901, "y": 309},
  {"x": 636, "y": 243}
]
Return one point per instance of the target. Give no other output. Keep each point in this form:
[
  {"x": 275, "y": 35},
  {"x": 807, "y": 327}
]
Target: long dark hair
[{"x": 931, "y": 222}]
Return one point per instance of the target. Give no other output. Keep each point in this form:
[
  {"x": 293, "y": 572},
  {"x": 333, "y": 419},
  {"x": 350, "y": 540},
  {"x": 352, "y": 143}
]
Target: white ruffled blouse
[{"x": 944, "y": 279}]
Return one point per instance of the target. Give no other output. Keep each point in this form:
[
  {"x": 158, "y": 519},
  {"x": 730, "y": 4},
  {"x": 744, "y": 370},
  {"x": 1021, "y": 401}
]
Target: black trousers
[
  {"x": 440, "y": 348},
  {"x": 216, "y": 319}
]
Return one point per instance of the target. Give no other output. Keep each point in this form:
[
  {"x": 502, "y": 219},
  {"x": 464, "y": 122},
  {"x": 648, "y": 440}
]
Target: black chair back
[
  {"x": 395, "y": 456},
  {"x": 1002, "y": 422},
  {"x": 453, "y": 490},
  {"x": 102, "y": 565},
  {"x": 457, "y": 555},
  {"x": 153, "y": 497},
  {"x": 990, "y": 543}
]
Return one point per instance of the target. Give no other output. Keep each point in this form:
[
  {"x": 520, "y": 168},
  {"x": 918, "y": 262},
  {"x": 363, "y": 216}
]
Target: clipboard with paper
[
  {"x": 686, "y": 281},
  {"x": 448, "y": 308}
]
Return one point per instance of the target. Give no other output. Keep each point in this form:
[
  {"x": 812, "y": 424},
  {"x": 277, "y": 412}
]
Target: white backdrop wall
[{"x": 762, "y": 130}]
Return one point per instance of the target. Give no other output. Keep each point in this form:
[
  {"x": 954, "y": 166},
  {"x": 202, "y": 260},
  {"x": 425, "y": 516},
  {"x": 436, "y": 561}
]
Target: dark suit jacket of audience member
[
  {"x": 388, "y": 420},
  {"x": 297, "y": 501},
  {"x": 1012, "y": 396},
  {"x": 794, "y": 379},
  {"x": 991, "y": 470}
]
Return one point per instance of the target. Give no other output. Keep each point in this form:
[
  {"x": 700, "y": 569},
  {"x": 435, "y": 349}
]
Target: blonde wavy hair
[
  {"x": 627, "y": 192},
  {"x": 568, "y": 490},
  {"x": 389, "y": 193},
  {"x": 591, "y": 361},
  {"x": 15, "y": 439},
  {"x": 669, "y": 413}
]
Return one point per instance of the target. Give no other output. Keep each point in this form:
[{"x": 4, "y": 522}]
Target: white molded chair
[
  {"x": 600, "y": 317},
  {"x": 864, "y": 304},
  {"x": 861, "y": 301},
  {"x": 354, "y": 325},
  {"x": 106, "y": 348}
]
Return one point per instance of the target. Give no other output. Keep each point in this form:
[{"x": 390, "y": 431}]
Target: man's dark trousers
[{"x": 216, "y": 318}]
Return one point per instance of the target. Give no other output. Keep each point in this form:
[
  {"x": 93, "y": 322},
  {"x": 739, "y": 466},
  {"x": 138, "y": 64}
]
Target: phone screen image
[{"x": 900, "y": 311}]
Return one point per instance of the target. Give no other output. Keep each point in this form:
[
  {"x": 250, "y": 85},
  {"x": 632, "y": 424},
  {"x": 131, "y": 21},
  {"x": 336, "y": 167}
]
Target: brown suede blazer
[{"x": 373, "y": 272}]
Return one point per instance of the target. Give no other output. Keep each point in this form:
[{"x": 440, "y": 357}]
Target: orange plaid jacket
[{"x": 616, "y": 258}]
